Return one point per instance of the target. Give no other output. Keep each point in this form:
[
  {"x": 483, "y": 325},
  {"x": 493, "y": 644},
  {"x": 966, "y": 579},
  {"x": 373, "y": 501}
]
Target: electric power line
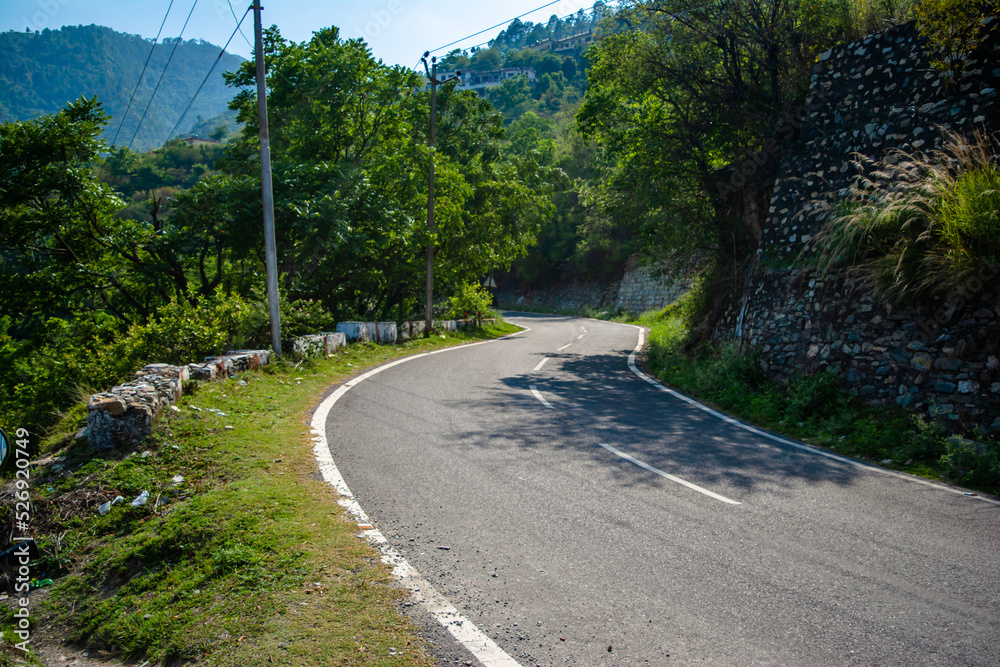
[
  {"x": 491, "y": 40},
  {"x": 174, "y": 50},
  {"x": 475, "y": 34},
  {"x": 672, "y": 16},
  {"x": 210, "y": 70},
  {"x": 141, "y": 74},
  {"x": 239, "y": 22}
]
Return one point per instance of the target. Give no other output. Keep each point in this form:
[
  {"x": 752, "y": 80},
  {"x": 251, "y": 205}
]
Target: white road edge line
[
  {"x": 541, "y": 398},
  {"x": 485, "y": 650},
  {"x": 779, "y": 439},
  {"x": 540, "y": 364},
  {"x": 560, "y": 349},
  {"x": 672, "y": 478}
]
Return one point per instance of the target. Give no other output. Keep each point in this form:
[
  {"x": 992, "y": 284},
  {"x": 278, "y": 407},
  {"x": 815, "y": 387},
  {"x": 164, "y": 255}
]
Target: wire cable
[
  {"x": 239, "y": 22},
  {"x": 141, "y": 74},
  {"x": 174, "y": 50},
  {"x": 475, "y": 34},
  {"x": 587, "y": 9},
  {"x": 210, "y": 70}
]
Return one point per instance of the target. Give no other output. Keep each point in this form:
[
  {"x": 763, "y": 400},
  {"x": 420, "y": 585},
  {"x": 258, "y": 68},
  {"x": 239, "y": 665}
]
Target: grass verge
[
  {"x": 241, "y": 556},
  {"x": 812, "y": 409}
]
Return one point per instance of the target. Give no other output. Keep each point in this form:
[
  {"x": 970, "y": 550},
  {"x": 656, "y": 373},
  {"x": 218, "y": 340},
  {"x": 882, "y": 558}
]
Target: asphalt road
[{"x": 494, "y": 471}]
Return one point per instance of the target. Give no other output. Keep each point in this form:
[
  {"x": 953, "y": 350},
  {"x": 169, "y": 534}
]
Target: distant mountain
[{"x": 43, "y": 71}]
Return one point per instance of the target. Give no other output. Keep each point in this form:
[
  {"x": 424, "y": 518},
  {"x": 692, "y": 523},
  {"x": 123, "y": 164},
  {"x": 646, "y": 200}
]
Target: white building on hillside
[{"x": 480, "y": 81}]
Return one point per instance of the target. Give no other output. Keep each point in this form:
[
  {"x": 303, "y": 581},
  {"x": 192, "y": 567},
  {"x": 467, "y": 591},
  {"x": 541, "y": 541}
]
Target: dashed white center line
[
  {"x": 540, "y": 398},
  {"x": 560, "y": 349},
  {"x": 579, "y": 337},
  {"x": 540, "y": 364},
  {"x": 672, "y": 478}
]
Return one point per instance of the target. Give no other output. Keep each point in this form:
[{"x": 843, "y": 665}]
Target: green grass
[
  {"x": 246, "y": 561},
  {"x": 920, "y": 225}
]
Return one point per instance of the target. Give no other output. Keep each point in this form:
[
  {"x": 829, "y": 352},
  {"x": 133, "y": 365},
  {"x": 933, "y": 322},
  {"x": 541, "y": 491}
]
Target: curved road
[{"x": 580, "y": 516}]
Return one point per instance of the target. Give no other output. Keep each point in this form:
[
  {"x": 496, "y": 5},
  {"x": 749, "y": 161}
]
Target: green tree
[
  {"x": 954, "y": 29},
  {"x": 512, "y": 97},
  {"x": 63, "y": 249},
  {"x": 692, "y": 96},
  {"x": 350, "y": 161}
]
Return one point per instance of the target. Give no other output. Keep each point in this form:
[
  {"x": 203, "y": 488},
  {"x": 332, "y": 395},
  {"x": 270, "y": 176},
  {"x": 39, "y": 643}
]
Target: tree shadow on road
[{"x": 596, "y": 399}]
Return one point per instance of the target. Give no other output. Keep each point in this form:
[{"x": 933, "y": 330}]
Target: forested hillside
[{"x": 43, "y": 71}]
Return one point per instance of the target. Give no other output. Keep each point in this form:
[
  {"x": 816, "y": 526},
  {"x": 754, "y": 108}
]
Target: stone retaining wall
[
  {"x": 870, "y": 97},
  {"x": 562, "y": 298},
  {"x": 941, "y": 360},
  {"x": 654, "y": 287},
  {"x": 641, "y": 288}
]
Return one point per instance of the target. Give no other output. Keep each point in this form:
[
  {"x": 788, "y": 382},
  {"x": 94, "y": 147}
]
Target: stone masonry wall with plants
[
  {"x": 653, "y": 287},
  {"x": 869, "y": 97},
  {"x": 641, "y": 288},
  {"x": 942, "y": 360}
]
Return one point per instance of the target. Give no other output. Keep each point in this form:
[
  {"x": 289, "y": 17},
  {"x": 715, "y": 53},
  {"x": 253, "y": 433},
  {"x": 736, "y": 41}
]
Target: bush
[
  {"x": 470, "y": 300},
  {"x": 304, "y": 316},
  {"x": 64, "y": 362},
  {"x": 920, "y": 224}
]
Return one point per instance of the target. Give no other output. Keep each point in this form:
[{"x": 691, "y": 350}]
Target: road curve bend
[{"x": 553, "y": 507}]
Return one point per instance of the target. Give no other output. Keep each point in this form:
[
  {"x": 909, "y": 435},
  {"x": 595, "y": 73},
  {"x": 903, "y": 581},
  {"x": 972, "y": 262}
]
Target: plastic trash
[
  {"x": 118, "y": 499},
  {"x": 104, "y": 508},
  {"x": 141, "y": 499}
]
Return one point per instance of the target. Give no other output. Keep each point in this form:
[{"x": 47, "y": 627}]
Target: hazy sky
[{"x": 398, "y": 31}]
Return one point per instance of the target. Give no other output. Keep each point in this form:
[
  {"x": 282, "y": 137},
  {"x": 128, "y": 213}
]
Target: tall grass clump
[
  {"x": 870, "y": 16},
  {"x": 920, "y": 224}
]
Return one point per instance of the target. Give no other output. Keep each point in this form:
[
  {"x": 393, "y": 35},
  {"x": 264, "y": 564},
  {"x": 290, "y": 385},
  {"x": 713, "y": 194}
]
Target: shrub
[
  {"x": 305, "y": 316},
  {"x": 63, "y": 362},
  {"x": 921, "y": 224},
  {"x": 471, "y": 300}
]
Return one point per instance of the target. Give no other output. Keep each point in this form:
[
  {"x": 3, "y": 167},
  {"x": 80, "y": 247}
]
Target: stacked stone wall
[
  {"x": 657, "y": 286},
  {"x": 868, "y": 98},
  {"x": 872, "y": 97},
  {"x": 941, "y": 360}
]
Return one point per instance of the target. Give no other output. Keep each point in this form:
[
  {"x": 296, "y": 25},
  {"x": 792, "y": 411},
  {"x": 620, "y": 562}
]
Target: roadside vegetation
[
  {"x": 920, "y": 225},
  {"x": 240, "y": 555},
  {"x": 813, "y": 409}
]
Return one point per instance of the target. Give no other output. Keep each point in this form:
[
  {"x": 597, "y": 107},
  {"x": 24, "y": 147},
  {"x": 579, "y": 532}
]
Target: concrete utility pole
[
  {"x": 270, "y": 253},
  {"x": 432, "y": 75}
]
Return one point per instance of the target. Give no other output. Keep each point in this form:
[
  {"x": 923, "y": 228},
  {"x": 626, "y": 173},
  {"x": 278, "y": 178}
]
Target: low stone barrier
[
  {"x": 416, "y": 329},
  {"x": 322, "y": 343},
  {"x": 369, "y": 332},
  {"x": 125, "y": 414}
]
